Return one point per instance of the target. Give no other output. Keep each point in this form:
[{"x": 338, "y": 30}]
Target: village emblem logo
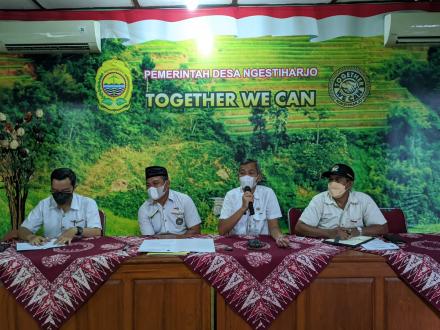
[
  {"x": 349, "y": 86},
  {"x": 113, "y": 86}
]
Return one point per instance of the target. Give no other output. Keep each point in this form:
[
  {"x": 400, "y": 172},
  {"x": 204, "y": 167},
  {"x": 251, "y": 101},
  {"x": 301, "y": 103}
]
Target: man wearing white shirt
[
  {"x": 63, "y": 215},
  {"x": 166, "y": 213},
  {"x": 251, "y": 208},
  {"x": 341, "y": 212}
]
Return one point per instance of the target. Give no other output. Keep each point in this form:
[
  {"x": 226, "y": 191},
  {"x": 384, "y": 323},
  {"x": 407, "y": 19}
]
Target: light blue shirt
[
  {"x": 178, "y": 214},
  {"x": 360, "y": 211},
  {"x": 83, "y": 212},
  {"x": 266, "y": 207}
]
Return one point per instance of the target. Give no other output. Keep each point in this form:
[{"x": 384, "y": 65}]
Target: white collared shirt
[
  {"x": 360, "y": 211},
  {"x": 177, "y": 215},
  {"x": 266, "y": 207},
  {"x": 83, "y": 212}
]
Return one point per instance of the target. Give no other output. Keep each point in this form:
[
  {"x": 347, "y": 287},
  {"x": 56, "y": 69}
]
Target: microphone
[{"x": 250, "y": 205}]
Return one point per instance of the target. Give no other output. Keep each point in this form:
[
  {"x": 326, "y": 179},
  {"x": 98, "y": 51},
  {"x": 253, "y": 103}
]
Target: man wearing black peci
[{"x": 167, "y": 213}]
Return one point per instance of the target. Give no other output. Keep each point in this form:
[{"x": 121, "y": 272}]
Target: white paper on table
[
  {"x": 378, "y": 244},
  {"x": 29, "y": 247},
  {"x": 354, "y": 241},
  {"x": 196, "y": 244},
  {"x": 178, "y": 245}
]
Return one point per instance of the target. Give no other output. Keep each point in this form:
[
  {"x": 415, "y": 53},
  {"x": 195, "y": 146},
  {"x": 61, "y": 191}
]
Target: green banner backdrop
[{"x": 296, "y": 106}]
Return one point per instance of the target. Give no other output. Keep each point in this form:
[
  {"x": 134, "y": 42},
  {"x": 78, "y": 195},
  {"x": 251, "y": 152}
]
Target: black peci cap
[
  {"x": 151, "y": 171},
  {"x": 340, "y": 169}
]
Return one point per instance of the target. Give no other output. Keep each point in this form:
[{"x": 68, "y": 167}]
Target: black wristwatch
[{"x": 79, "y": 231}]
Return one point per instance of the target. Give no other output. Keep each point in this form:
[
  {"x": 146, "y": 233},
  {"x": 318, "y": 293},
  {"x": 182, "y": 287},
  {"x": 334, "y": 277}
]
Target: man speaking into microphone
[{"x": 251, "y": 208}]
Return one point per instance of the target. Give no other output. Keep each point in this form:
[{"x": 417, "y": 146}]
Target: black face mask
[{"x": 62, "y": 198}]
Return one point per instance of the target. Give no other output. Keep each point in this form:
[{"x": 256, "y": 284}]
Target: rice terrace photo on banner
[{"x": 297, "y": 103}]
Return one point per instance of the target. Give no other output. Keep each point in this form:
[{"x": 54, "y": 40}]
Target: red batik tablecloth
[
  {"x": 418, "y": 264},
  {"x": 52, "y": 284},
  {"x": 259, "y": 284}
]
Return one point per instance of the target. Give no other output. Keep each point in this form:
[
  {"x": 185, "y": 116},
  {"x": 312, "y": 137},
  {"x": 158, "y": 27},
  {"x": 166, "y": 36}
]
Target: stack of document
[
  {"x": 378, "y": 244},
  {"x": 353, "y": 242},
  {"x": 29, "y": 247},
  {"x": 178, "y": 245}
]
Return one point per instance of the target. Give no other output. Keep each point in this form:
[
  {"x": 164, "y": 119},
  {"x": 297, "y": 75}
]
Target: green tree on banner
[
  {"x": 279, "y": 118},
  {"x": 412, "y": 183},
  {"x": 260, "y": 139},
  {"x": 317, "y": 115},
  {"x": 421, "y": 78}
]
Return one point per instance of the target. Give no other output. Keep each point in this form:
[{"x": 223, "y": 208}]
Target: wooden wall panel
[
  {"x": 406, "y": 310},
  {"x": 168, "y": 304},
  {"x": 228, "y": 319},
  {"x": 12, "y": 315},
  {"x": 6, "y": 314},
  {"x": 340, "y": 303},
  {"x": 105, "y": 308},
  {"x": 149, "y": 303}
]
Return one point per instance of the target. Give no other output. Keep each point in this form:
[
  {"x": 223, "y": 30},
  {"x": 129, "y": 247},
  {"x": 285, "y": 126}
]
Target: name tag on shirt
[{"x": 177, "y": 212}]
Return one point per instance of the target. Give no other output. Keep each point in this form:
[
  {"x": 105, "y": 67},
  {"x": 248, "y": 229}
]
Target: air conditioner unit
[
  {"x": 40, "y": 37},
  {"x": 416, "y": 28}
]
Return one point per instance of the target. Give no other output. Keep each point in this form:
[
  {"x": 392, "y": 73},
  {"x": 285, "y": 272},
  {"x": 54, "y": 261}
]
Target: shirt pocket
[
  {"x": 77, "y": 218},
  {"x": 329, "y": 220},
  {"x": 260, "y": 214},
  {"x": 178, "y": 217},
  {"x": 354, "y": 222},
  {"x": 258, "y": 221},
  {"x": 77, "y": 222},
  {"x": 71, "y": 221}
]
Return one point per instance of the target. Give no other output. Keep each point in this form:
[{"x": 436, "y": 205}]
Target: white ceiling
[{"x": 137, "y": 4}]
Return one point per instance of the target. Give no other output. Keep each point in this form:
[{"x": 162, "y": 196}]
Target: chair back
[
  {"x": 395, "y": 219},
  {"x": 103, "y": 221},
  {"x": 293, "y": 217}
]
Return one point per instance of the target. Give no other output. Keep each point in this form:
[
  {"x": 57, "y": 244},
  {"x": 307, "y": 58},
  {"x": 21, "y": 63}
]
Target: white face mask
[
  {"x": 248, "y": 181},
  {"x": 336, "y": 189},
  {"x": 156, "y": 193}
]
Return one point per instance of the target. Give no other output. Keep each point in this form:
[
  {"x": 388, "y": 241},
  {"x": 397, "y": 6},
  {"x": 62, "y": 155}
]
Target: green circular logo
[{"x": 349, "y": 86}]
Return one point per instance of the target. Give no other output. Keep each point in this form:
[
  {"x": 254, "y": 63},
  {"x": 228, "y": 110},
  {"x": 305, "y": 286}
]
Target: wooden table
[
  {"x": 356, "y": 291},
  {"x": 144, "y": 293}
]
